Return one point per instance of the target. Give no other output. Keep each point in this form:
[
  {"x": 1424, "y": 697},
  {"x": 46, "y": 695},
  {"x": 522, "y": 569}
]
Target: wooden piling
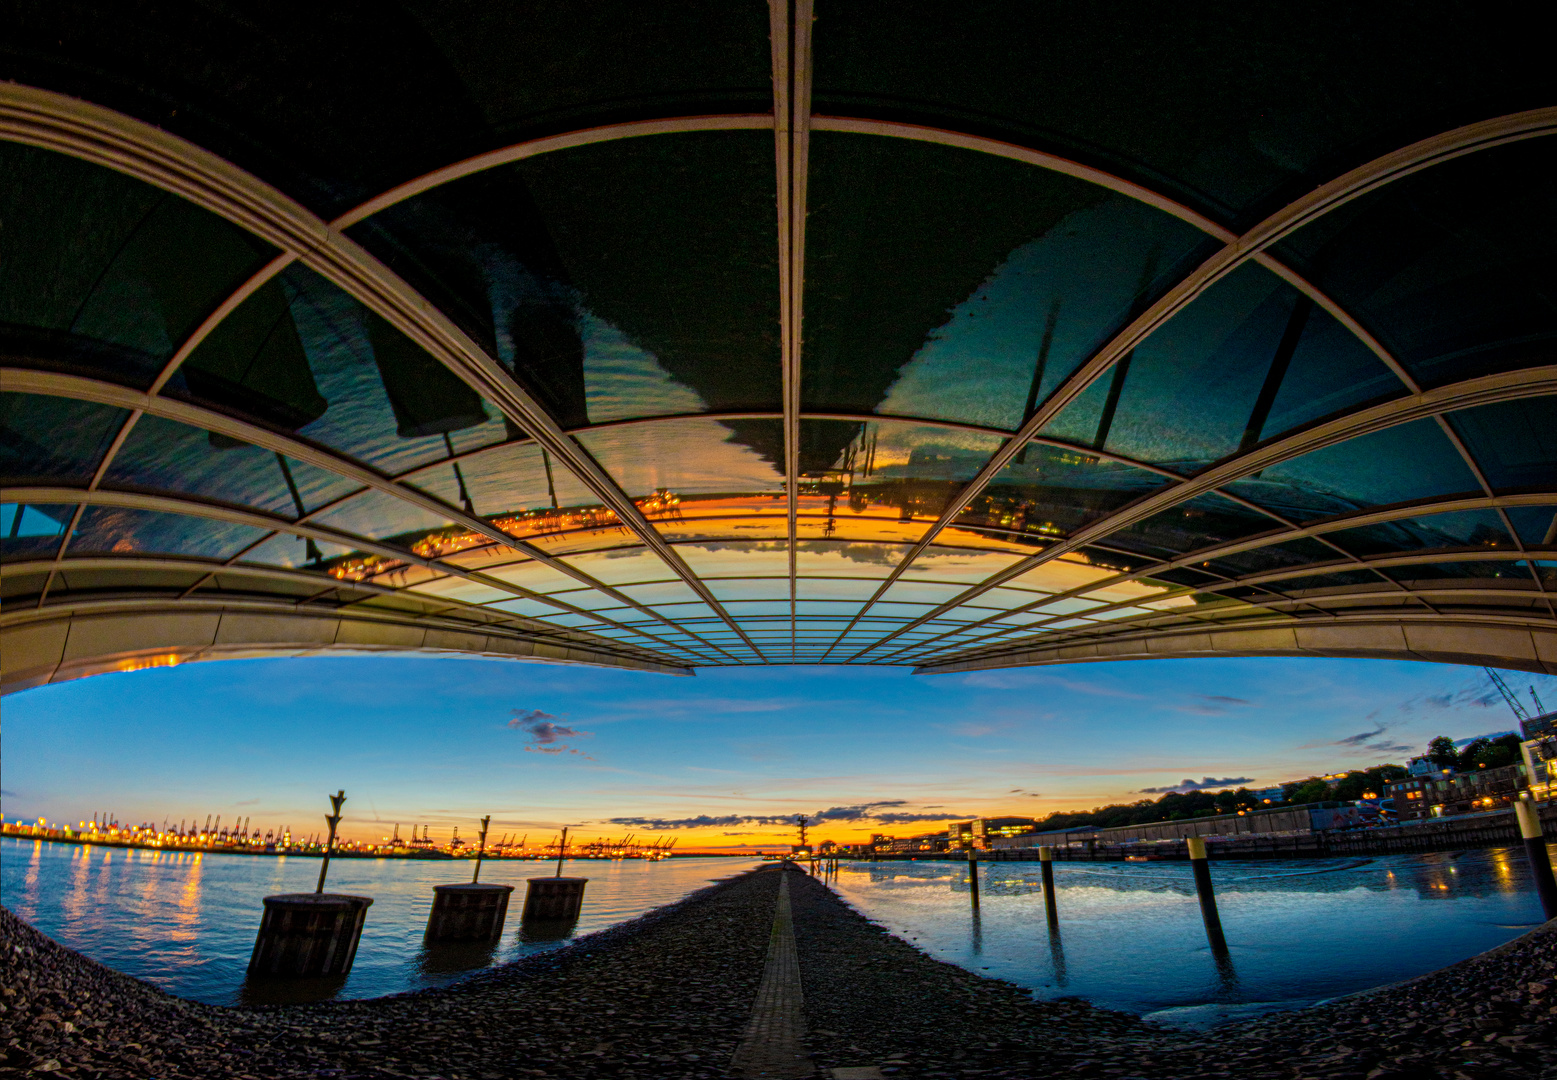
[
  {"x": 1535, "y": 850},
  {"x": 1202, "y": 872},
  {"x": 1046, "y": 869},
  {"x": 973, "y": 877}
]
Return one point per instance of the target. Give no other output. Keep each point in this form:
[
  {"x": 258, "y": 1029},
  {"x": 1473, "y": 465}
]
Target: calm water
[
  {"x": 186, "y": 922},
  {"x": 1131, "y": 936}
]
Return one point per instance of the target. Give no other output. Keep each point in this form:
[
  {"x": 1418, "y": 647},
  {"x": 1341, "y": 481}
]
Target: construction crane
[{"x": 1520, "y": 712}]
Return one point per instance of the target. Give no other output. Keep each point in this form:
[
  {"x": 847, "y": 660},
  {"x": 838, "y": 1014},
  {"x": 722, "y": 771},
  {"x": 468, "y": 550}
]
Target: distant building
[
  {"x": 1447, "y": 792},
  {"x": 959, "y": 835},
  {"x": 828, "y": 847},
  {"x": 1270, "y": 794},
  {"x": 985, "y": 830}
]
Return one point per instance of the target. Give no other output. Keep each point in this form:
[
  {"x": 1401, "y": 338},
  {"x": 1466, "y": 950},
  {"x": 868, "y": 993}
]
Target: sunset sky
[{"x": 717, "y": 760}]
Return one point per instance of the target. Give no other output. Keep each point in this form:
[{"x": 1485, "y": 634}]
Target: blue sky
[{"x": 444, "y": 741}]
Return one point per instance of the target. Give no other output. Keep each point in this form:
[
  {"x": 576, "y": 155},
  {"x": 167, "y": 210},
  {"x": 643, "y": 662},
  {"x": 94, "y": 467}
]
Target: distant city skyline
[{"x": 723, "y": 760}]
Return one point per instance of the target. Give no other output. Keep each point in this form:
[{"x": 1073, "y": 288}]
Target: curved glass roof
[{"x": 713, "y": 335}]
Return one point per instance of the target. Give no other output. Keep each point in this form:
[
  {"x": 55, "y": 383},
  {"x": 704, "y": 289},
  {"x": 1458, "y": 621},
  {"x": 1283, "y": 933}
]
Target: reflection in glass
[
  {"x": 167, "y": 456},
  {"x": 690, "y": 457},
  {"x": 1463, "y": 528},
  {"x": 115, "y": 530},
  {"x": 105, "y": 274},
  {"x": 1514, "y": 442},
  {"x": 1205, "y": 521},
  {"x": 1399, "y": 464},
  {"x": 1247, "y": 360},
  {"x": 949, "y": 284},
  {"x": 32, "y": 532},
  {"x": 1414, "y": 262},
  {"x": 1051, "y": 491},
  {"x": 53, "y": 439}
]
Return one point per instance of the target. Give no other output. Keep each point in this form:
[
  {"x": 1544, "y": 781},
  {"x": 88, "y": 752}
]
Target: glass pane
[
  {"x": 1450, "y": 267},
  {"x": 53, "y": 439},
  {"x": 291, "y": 551},
  {"x": 735, "y": 559},
  {"x": 603, "y": 306},
  {"x": 115, "y": 530},
  {"x": 1050, "y": 491},
  {"x": 623, "y": 566},
  {"x": 1474, "y": 575},
  {"x": 378, "y": 515},
  {"x": 691, "y": 458},
  {"x": 1397, "y": 465},
  {"x": 32, "y": 532},
  {"x": 949, "y": 284},
  {"x": 1514, "y": 442},
  {"x": 1292, "y": 101},
  {"x": 1299, "y": 552},
  {"x": 1536, "y": 525},
  {"x": 1202, "y": 522},
  {"x": 300, "y": 355},
  {"x": 1465, "y": 528},
  {"x": 168, "y": 456},
  {"x": 105, "y": 275},
  {"x": 1209, "y": 382},
  {"x": 503, "y": 480}
]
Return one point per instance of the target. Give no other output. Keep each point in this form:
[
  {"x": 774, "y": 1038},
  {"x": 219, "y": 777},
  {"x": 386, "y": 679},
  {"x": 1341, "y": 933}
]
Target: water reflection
[
  {"x": 187, "y": 921},
  {"x": 1131, "y": 936}
]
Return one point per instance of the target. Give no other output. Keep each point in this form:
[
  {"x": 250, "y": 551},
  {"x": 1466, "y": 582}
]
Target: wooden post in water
[
  {"x": 973, "y": 877},
  {"x": 1046, "y": 867},
  {"x": 1202, "y": 871},
  {"x": 1535, "y": 850},
  {"x": 334, "y": 819},
  {"x": 562, "y": 851},
  {"x": 481, "y": 849}
]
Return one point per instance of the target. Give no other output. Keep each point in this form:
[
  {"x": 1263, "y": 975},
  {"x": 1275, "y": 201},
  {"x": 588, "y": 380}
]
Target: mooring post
[
  {"x": 562, "y": 851},
  {"x": 334, "y": 819},
  {"x": 1046, "y": 868},
  {"x": 1202, "y": 871},
  {"x": 481, "y": 848},
  {"x": 1535, "y": 850},
  {"x": 973, "y": 877}
]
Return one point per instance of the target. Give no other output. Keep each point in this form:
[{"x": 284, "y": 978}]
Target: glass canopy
[{"x": 537, "y": 348}]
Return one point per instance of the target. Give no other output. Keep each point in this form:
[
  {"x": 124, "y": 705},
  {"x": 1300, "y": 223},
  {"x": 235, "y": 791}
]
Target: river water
[
  {"x": 1130, "y": 935},
  {"x": 186, "y": 921}
]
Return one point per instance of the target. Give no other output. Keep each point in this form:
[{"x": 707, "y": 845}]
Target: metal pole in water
[
  {"x": 334, "y": 820},
  {"x": 562, "y": 851},
  {"x": 1208, "y": 912},
  {"x": 1046, "y": 867},
  {"x": 481, "y": 849},
  {"x": 1535, "y": 851},
  {"x": 973, "y": 877}
]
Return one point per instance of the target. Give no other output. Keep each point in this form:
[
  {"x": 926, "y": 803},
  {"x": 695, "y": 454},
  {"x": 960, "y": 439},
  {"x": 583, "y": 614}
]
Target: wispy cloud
[
  {"x": 1202, "y": 784},
  {"x": 1373, "y": 741},
  {"x": 544, "y": 731},
  {"x": 1213, "y": 704},
  {"x": 882, "y": 813}
]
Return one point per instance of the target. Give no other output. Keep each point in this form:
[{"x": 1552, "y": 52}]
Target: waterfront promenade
[{"x": 671, "y": 995}]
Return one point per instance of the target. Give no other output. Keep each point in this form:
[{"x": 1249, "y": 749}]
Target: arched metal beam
[
  {"x": 81, "y": 388},
  {"x": 324, "y": 582},
  {"x": 91, "y": 133},
  {"x": 789, "y": 25},
  {"x": 1191, "y": 559},
  {"x": 1491, "y": 640},
  {"x": 126, "y": 635},
  {"x": 1369, "y": 177},
  {"x": 1505, "y": 386},
  {"x": 190, "y": 507}
]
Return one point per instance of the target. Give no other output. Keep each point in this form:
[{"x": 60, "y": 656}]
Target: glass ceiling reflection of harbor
[{"x": 959, "y": 490}]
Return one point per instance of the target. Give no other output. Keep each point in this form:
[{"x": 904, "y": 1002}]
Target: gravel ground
[{"x": 668, "y": 995}]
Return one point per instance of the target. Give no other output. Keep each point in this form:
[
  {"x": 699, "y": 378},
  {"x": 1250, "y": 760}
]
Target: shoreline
[{"x": 668, "y": 994}]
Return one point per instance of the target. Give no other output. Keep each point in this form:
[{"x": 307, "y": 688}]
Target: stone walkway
[{"x": 772, "y": 1046}]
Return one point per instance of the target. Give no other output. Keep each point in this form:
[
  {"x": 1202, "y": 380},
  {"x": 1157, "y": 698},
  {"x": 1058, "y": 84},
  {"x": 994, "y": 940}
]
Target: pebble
[{"x": 667, "y": 997}]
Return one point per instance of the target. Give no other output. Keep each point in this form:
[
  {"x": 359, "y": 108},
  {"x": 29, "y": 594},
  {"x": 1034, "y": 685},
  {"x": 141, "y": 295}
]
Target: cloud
[
  {"x": 878, "y": 812},
  {"x": 1213, "y": 704},
  {"x": 544, "y": 730},
  {"x": 1203, "y": 784},
  {"x": 1373, "y": 741},
  {"x": 1362, "y": 738}
]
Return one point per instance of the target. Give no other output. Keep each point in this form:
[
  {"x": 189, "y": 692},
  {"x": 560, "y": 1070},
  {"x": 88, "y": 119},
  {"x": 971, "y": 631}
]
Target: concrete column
[
  {"x": 1046, "y": 867},
  {"x": 1208, "y": 912},
  {"x": 554, "y": 898},
  {"x": 472, "y": 912},
  {"x": 303, "y": 934},
  {"x": 1535, "y": 850}
]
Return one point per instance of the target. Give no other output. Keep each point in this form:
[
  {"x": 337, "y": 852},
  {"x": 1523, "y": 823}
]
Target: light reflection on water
[
  {"x": 186, "y": 921},
  {"x": 1131, "y": 938}
]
